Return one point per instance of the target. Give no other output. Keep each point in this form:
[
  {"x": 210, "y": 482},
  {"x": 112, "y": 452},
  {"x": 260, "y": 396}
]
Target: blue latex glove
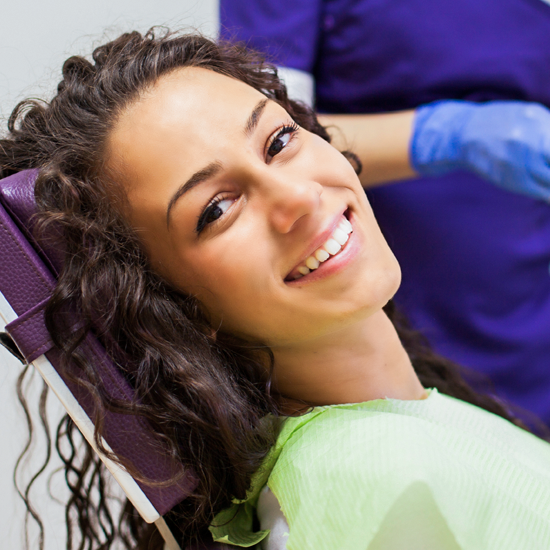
[{"x": 505, "y": 142}]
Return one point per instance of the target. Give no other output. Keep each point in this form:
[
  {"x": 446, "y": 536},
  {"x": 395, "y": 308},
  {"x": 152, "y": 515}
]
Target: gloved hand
[{"x": 506, "y": 142}]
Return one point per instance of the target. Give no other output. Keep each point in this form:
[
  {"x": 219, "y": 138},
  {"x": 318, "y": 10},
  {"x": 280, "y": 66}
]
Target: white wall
[{"x": 37, "y": 36}]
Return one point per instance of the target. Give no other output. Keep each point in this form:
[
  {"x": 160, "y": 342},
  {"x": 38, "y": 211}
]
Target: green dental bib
[{"x": 390, "y": 474}]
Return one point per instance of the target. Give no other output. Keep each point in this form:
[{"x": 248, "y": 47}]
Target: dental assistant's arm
[
  {"x": 505, "y": 142},
  {"x": 381, "y": 141}
]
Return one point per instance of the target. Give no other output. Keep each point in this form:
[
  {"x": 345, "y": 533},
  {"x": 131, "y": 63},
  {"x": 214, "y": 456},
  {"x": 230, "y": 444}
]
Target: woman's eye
[
  {"x": 281, "y": 140},
  {"x": 215, "y": 210},
  {"x": 279, "y": 143}
]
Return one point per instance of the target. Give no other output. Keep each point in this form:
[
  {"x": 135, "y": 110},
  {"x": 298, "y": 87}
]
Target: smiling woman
[
  {"x": 213, "y": 232},
  {"x": 260, "y": 187}
]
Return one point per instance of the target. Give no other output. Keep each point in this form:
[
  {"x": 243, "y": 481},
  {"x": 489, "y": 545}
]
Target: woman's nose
[{"x": 291, "y": 200}]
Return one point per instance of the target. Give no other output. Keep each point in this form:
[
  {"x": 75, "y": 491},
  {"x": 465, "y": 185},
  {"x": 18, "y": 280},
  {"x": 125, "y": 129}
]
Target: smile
[{"x": 332, "y": 247}]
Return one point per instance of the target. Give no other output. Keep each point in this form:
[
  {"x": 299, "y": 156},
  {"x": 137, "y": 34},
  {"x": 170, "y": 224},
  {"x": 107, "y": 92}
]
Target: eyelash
[
  {"x": 286, "y": 129},
  {"x": 211, "y": 206}
]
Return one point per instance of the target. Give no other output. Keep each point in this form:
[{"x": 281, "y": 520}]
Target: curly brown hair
[{"x": 204, "y": 397}]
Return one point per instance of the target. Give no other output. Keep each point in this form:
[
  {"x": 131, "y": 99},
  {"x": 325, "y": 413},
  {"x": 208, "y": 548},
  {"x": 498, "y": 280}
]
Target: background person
[{"x": 475, "y": 258}]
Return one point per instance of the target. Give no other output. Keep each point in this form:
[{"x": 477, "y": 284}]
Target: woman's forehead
[
  {"x": 189, "y": 110},
  {"x": 190, "y": 93}
]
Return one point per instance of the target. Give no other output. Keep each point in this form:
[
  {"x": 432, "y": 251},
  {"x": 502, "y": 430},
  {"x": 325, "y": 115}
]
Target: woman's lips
[{"x": 330, "y": 249}]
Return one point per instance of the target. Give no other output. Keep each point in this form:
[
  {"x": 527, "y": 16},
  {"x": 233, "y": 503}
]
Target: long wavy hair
[{"x": 204, "y": 397}]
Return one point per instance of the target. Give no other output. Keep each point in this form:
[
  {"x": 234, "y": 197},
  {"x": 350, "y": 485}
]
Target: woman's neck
[{"x": 359, "y": 363}]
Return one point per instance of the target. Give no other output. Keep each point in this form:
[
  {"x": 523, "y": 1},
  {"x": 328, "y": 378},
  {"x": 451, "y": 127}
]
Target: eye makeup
[{"x": 277, "y": 143}]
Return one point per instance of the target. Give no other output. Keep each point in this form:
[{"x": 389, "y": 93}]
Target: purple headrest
[
  {"x": 18, "y": 196},
  {"x": 27, "y": 277}
]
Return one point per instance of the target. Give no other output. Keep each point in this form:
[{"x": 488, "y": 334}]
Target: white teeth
[
  {"x": 348, "y": 224},
  {"x": 322, "y": 254},
  {"x": 340, "y": 236},
  {"x": 312, "y": 263},
  {"x": 345, "y": 226},
  {"x": 332, "y": 247}
]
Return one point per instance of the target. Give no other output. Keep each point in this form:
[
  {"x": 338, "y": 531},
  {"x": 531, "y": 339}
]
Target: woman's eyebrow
[
  {"x": 214, "y": 167},
  {"x": 254, "y": 117},
  {"x": 198, "y": 177}
]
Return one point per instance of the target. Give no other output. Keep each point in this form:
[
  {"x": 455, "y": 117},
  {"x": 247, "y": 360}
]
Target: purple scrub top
[{"x": 475, "y": 259}]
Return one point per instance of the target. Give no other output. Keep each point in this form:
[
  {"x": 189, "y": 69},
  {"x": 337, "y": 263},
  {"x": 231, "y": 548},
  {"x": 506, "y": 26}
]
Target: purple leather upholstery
[{"x": 26, "y": 281}]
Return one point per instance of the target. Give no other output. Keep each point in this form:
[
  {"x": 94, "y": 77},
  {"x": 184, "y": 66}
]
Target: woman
[{"x": 213, "y": 231}]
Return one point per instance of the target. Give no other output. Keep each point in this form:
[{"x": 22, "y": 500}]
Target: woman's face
[{"x": 231, "y": 200}]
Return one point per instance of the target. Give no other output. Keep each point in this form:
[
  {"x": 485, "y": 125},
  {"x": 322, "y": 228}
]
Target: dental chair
[{"x": 27, "y": 278}]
